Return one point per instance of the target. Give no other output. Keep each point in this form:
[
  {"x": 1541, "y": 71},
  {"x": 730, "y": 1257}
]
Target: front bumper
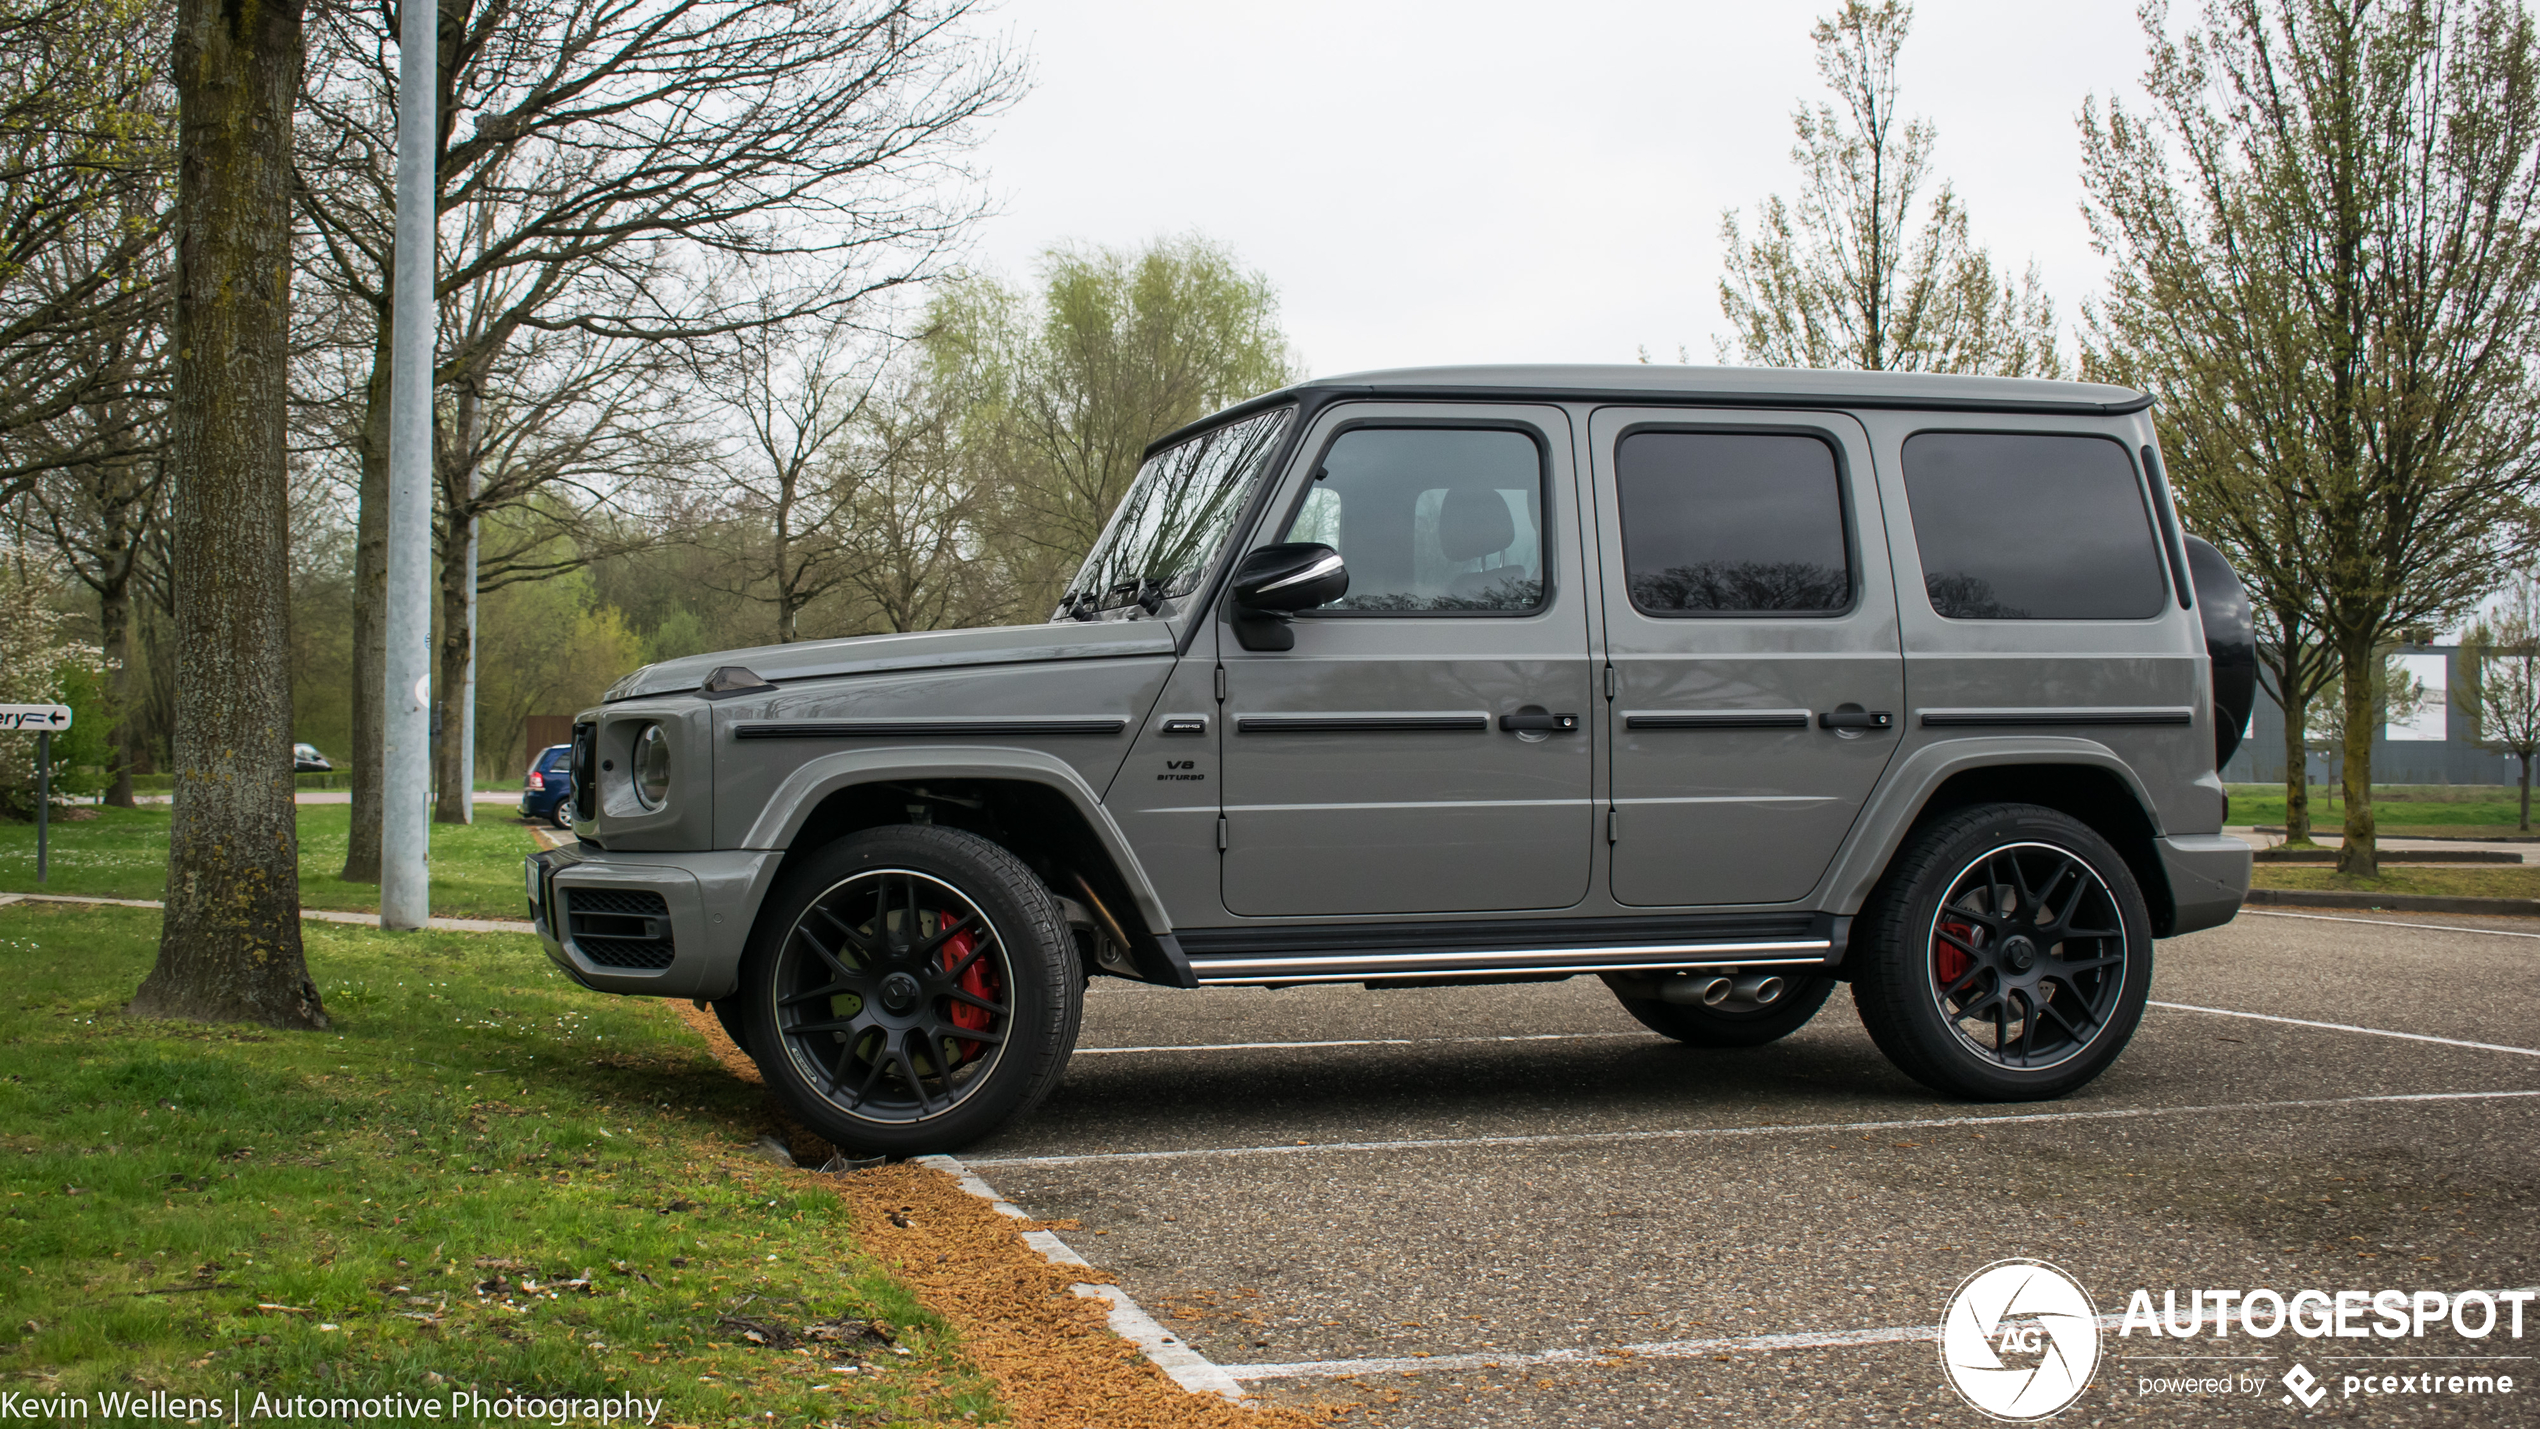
[
  {"x": 651, "y": 924},
  {"x": 2209, "y": 879}
]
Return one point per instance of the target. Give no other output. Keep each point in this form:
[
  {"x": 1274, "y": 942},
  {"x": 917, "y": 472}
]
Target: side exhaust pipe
[
  {"x": 1697, "y": 991},
  {"x": 1761, "y": 989}
]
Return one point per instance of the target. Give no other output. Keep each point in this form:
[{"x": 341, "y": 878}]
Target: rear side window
[
  {"x": 1732, "y": 523},
  {"x": 2031, "y": 527},
  {"x": 1430, "y": 519},
  {"x": 555, "y": 759}
]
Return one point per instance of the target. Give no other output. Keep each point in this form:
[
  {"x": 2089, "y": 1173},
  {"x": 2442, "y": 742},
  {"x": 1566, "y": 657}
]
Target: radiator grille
[
  {"x": 625, "y": 952},
  {"x": 619, "y": 927},
  {"x": 618, "y": 900}
]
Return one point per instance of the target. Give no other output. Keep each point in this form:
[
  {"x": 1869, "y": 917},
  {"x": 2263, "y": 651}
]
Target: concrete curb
[
  {"x": 2393, "y": 902},
  {"x": 1186, "y": 1367}
]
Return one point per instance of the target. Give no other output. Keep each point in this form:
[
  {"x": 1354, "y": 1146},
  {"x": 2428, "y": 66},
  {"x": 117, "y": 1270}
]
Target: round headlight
[{"x": 652, "y": 766}]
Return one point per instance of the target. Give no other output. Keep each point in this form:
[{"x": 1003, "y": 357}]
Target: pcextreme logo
[{"x": 2019, "y": 1340}]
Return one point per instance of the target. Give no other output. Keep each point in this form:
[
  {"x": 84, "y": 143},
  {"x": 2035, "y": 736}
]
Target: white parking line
[
  {"x": 1659, "y": 1350},
  {"x": 1186, "y": 1367},
  {"x": 1695, "y": 1133},
  {"x": 2349, "y": 1027},
  {"x": 2385, "y": 923},
  {"x": 1357, "y": 1042}
]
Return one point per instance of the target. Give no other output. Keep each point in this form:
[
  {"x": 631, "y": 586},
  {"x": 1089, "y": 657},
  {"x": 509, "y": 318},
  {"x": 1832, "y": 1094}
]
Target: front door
[
  {"x": 1758, "y": 681},
  {"x": 1376, "y": 767}
]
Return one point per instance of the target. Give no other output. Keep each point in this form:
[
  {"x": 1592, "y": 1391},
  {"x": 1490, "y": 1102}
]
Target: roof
[
  {"x": 1779, "y": 384},
  {"x": 1658, "y": 382}
]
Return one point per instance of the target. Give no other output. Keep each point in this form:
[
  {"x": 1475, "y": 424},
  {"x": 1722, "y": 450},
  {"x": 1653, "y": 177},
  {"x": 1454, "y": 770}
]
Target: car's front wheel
[
  {"x": 2006, "y": 954},
  {"x": 910, "y": 989}
]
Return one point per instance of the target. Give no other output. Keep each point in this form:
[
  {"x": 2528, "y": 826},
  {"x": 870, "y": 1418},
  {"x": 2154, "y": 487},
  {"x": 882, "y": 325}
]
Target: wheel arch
[
  {"x": 1034, "y": 805},
  {"x": 2081, "y": 778}
]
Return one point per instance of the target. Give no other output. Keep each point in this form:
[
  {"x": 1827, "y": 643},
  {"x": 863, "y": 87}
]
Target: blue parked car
[{"x": 544, "y": 793}]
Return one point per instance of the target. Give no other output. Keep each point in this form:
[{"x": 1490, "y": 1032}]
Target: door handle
[
  {"x": 1855, "y": 719},
  {"x": 1539, "y": 723}
]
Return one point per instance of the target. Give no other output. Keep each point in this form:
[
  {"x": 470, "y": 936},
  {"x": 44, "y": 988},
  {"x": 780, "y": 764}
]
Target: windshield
[{"x": 1172, "y": 523}]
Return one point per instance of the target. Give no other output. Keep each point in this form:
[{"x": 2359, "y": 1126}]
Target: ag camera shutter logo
[{"x": 2019, "y": 1340}]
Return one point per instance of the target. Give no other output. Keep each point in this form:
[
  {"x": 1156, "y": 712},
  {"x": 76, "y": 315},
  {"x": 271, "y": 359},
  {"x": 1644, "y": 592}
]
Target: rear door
[
  {"x": 1367, "y": 770},
  {"x": 1755, "y": 667}
]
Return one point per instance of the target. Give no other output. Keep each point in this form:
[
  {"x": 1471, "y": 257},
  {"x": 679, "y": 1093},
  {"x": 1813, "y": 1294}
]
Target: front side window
[
  {"x": 1732, "y": 523},
  {"x": 2021, "y": 526},
  {"x": 1169, "y": 528},
  {"x": 1430, "y": 519}
]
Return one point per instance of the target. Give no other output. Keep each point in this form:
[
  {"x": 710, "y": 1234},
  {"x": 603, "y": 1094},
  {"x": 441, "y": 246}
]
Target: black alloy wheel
[
  {"x": 2006, "y": 955},
  {"x": 918, "y": 989},
  {"x": 2028, "y": 956}
]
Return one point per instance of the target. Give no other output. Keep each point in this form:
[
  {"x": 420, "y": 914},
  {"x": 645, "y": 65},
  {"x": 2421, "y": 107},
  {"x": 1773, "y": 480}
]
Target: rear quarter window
[{"x": 2032, "y": 526}]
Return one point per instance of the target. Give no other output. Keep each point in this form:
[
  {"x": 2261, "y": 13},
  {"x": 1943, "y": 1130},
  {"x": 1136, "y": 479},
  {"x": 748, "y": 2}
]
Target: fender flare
[
  {"x": 815, "y": 780},
  {"x": 1908, "y": 788}
]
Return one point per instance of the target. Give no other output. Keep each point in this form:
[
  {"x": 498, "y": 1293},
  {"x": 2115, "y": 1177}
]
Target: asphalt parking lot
[{"x": 1512, "y": 1205}]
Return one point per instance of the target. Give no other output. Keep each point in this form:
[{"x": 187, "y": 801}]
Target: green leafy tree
[
  {"x": 1848, "y": 277},
  {"x": 1060, "y": 397},
  {"x": 2498, "y": 685},
  {"x": 2327, "y": 269}
]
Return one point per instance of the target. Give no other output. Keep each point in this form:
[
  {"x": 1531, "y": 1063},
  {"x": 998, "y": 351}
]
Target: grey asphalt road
[{"x": 1513, "y": 1206}]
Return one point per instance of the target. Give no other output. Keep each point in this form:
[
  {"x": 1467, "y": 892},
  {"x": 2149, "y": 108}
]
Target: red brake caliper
[
  {"x": 979, "y": 980},
  {"x": 1949, "y": 962}
]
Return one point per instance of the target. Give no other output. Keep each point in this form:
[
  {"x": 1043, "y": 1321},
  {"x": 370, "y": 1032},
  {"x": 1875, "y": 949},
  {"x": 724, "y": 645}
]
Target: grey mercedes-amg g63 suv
[{"x": 1723, "y": 685}]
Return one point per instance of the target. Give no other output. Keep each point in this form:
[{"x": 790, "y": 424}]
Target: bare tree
[
  {"x": 229, "y": 949},
  {"x": 103, "y": 516},
  {"x": 1841, "y": 279},
  {"x": 2326, "y": 248},
  {"x": 86, "y": 138},
  {"x": 2499, "y": 680},
  {"x": 644, "y": 170},
  {"x": 783, "y": 530}
]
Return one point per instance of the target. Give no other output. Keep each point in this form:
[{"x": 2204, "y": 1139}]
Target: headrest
[{"x": 1474, "y": 522}]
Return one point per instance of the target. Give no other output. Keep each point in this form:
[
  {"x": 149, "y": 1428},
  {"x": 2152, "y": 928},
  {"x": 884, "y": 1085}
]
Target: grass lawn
[
  {"x": 482, "y": 1178},
  {"x": 123, "y": 853},
  {"x": 2400, "y": 810},
  {"x": 2473, "y": 881}
]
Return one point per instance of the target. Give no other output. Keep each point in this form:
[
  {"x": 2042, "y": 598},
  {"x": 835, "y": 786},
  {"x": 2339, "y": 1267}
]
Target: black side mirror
[{"x": 1275, "y": 580}]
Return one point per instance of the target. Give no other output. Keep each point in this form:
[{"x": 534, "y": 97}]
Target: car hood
[{"x": 921, "y": 650}]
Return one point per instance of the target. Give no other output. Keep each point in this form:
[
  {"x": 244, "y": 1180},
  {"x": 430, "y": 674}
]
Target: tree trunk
[
  {"x": 229, "y": 947},
  {"x": 453, "y": 802},
  {"x": 114, "y": 629},
  {"x": 2297, "y": 777},
  {"x": 366, "y": 764},
  {"x": 2525, "y": 825},
  {"x": 2360, "y": 856}
]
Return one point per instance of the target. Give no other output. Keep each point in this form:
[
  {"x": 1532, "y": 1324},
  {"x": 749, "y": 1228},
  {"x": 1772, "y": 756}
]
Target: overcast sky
[{"x": 1485, "y": 181}]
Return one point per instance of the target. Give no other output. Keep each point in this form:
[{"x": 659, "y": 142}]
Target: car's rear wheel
[
  {"x": 556, "y": 816},
  {"x": 1748, "y": 1012},
  {"x": 2005, "y": 956},
  {"x": 910, "y": 989}
]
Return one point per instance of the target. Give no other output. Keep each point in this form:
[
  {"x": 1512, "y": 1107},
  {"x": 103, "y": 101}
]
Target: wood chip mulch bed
[{"x": 1052, "y": 1353}]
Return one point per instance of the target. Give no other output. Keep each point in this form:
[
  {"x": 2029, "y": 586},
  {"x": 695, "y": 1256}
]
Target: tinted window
[
  {"x": 1716, "y": 523},
  {"x": 1430, "y": 518},
  {"x": 2031, "y": 528}
]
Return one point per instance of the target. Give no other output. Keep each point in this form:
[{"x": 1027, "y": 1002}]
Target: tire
[
  {"x": 735, "y": 1020},
  {"x": 556, "y": 816},
  {"x": 1697, "y": 1026},
  {"x": 888, "y": 1044},
  {"x": 2004, "y": 956}
]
